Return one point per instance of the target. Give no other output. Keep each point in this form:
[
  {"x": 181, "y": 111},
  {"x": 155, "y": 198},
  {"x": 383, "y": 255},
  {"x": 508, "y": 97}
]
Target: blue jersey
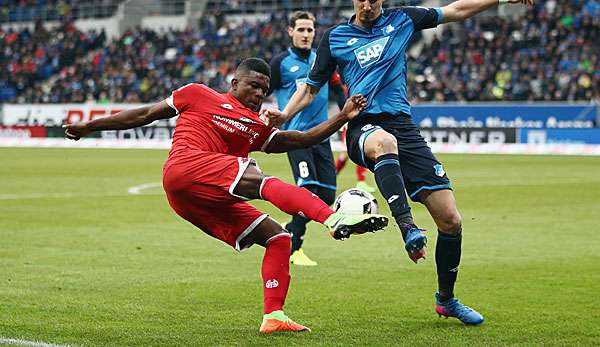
[
  {"x": 288, "y": 71},
  {"x": 372, "y": 61}
]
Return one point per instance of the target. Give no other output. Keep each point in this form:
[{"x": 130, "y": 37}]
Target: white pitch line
[
  {"x": 20, "y": 342},
  {"x": 138, "y": 189},
  {"x": 54, "y": 196}
]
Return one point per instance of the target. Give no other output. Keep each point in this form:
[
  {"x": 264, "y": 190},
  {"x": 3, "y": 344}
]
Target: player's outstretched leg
[
  {"x": 276, "y": 281},
  {"x": 454, "y": 308},
  {"x": 296, "y": 200}
]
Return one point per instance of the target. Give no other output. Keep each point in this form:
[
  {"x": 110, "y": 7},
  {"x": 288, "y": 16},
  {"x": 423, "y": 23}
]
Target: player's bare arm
[
  {"x": 288, "y": 140},
  {"x": 123, "y": 120},
  {"x": 463, "y": 9},
  {"x": 303, "y": 96}
]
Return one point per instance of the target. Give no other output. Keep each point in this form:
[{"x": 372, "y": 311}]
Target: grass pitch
[{"x": 82, "y": 262}]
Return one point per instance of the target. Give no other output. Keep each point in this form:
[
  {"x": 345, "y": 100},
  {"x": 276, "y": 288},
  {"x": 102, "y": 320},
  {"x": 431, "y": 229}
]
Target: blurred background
[
  {"x": 92, "y": 255},
  {"x": 508, "y": 76}
]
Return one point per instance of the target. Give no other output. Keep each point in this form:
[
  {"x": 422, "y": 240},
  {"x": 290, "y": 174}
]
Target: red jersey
[{"x": 215, "y": 122}]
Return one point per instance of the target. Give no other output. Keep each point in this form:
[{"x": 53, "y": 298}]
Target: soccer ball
[{"x": 355, "y": 201}]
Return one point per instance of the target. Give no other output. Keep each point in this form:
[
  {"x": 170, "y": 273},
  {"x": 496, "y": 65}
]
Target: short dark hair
[
  {"x": 301, "y": 15},
  {"x": 254, "y": 64}
]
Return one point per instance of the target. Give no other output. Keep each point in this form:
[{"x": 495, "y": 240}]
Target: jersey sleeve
[
  {"x": 423, "y": 18},
  {"x": 324, "y": 64},
  {"x": 265, "y": 144},
  {"x": 181, "y": 99},
  {"x": 276, "y": 72}
]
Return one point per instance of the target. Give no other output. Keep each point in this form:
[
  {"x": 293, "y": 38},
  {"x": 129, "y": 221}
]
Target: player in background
[
  {"x": 208, "y": 176},
  {"x": 370, "y": 52},
  {"x": 313, "y": 168}
]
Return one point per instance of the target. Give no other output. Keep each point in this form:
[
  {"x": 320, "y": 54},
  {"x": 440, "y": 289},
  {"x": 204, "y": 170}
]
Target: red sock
[
  {"x": 276, "y": 272},
  {"x": 294, "y": 200},
  {"x": 340, "y": 162},
  {"x": 360, "y": 173}
]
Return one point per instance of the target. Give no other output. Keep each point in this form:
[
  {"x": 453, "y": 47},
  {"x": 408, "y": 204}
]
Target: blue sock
[
  {"x": 391, "y": 185},
  {"x": 297, "y": 227},
  {"x": 447, "y": 259}
]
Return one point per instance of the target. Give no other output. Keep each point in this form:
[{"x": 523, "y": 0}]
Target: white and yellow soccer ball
[{"x": 355, "y": 201}]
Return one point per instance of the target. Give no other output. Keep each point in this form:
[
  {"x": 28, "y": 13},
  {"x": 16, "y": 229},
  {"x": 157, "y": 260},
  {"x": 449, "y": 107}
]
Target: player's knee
[
  {"x": 451, "y": 223},
  {"x": 382, "y": 143}
]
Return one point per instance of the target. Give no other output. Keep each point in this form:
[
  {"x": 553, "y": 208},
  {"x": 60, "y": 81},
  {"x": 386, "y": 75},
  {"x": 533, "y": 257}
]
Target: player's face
[
  {"x": 367, "y": 11},
  {"x": 302, "y": 34},
  {"x": 250, "y": 89}
]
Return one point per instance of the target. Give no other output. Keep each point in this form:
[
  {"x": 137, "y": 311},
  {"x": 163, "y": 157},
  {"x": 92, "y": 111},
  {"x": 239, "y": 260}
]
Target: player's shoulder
[
  {"x": 195, "y": 87},
  {"x": 411, "y": 11},
  {"x": 394, "y": 13},
  {"x": 281, "y": 55},
  {"x": 278, "y": 58},
  {"x": 196, "y": 94},
  {"x": 338, "y": 29}
]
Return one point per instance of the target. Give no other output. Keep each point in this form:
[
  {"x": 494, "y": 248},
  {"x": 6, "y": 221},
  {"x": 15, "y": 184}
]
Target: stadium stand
[
  {"x": 30, "y": 10},
  {"x": 491, "y": 59},
  {"x": 484, "y": 59}
]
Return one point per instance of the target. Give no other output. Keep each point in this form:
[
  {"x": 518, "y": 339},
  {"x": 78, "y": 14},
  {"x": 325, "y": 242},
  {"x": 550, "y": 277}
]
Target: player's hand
[
  {"x": 354, "y": 105},
  {"x": 524, "y": 2},
  {"x": 274, "y": 117},
  {"x": 76, "y": 131}
]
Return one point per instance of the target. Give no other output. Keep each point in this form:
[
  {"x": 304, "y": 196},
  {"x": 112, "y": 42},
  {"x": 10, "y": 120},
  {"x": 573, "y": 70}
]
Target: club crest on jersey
[
  {"x": 227, "y": 106},
  {"x": 300, "y": 81},
  {"x": 439, "y": 170},
  {"x": 371, "y": 52},
  {"x": 294, "y": 68}
]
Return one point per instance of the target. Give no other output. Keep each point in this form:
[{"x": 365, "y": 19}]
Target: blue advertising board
[
  {"x": 559, "y": 136},
  {"x": 506, "y": 115}
]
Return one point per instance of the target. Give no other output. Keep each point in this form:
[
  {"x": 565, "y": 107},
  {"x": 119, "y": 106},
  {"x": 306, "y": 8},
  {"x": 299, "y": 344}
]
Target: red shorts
[{"x": 199, "y": 186}]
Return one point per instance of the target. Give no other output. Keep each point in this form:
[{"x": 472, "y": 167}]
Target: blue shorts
[
  {"x": 420, "y": 168},
  {"x": 314, "y": 166}
]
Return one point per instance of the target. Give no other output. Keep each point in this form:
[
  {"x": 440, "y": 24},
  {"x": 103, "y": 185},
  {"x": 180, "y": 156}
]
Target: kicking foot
[
  {"x": 415, "y": 244},
  {"x": 301, "y": 259},
  {"x": 278, "y": 321},
  {"x": 454, "y": 308},
  {"x": 342, "y": 226}
]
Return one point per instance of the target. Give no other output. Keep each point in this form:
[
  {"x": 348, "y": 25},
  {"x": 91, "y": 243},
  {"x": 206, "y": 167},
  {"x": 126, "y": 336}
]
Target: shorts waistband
[{"x": 370, "y": 117}]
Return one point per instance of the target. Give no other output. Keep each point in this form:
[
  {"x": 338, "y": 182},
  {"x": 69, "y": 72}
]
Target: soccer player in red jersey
[{"x": 208, "y": 175}]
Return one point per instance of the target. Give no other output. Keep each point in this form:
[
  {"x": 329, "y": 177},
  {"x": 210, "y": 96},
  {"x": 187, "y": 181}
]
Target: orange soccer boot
[{"x": 278, "y": 321}]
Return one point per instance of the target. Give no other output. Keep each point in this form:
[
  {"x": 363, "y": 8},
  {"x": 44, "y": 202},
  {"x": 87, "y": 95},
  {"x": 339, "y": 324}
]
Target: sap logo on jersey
[{"x": 371, "y": 52}]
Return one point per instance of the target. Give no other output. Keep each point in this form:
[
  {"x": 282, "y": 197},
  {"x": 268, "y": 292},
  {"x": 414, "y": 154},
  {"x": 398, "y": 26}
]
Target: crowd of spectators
[
  {"x": 30, "y": 10},
  {"x": 141, "y": 65},
  {"x": 551, "y": 53},
  {"x": 30, "y": 60}
]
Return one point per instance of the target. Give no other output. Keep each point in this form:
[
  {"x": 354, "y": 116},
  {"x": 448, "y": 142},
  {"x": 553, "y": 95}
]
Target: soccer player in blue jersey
[
  {"x": 370, "y": 52},
  {"x": 313, "y": 168}
]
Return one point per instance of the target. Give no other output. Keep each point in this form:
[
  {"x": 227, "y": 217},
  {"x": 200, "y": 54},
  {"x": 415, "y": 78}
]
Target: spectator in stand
[{"x": 549, "y": 54}]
